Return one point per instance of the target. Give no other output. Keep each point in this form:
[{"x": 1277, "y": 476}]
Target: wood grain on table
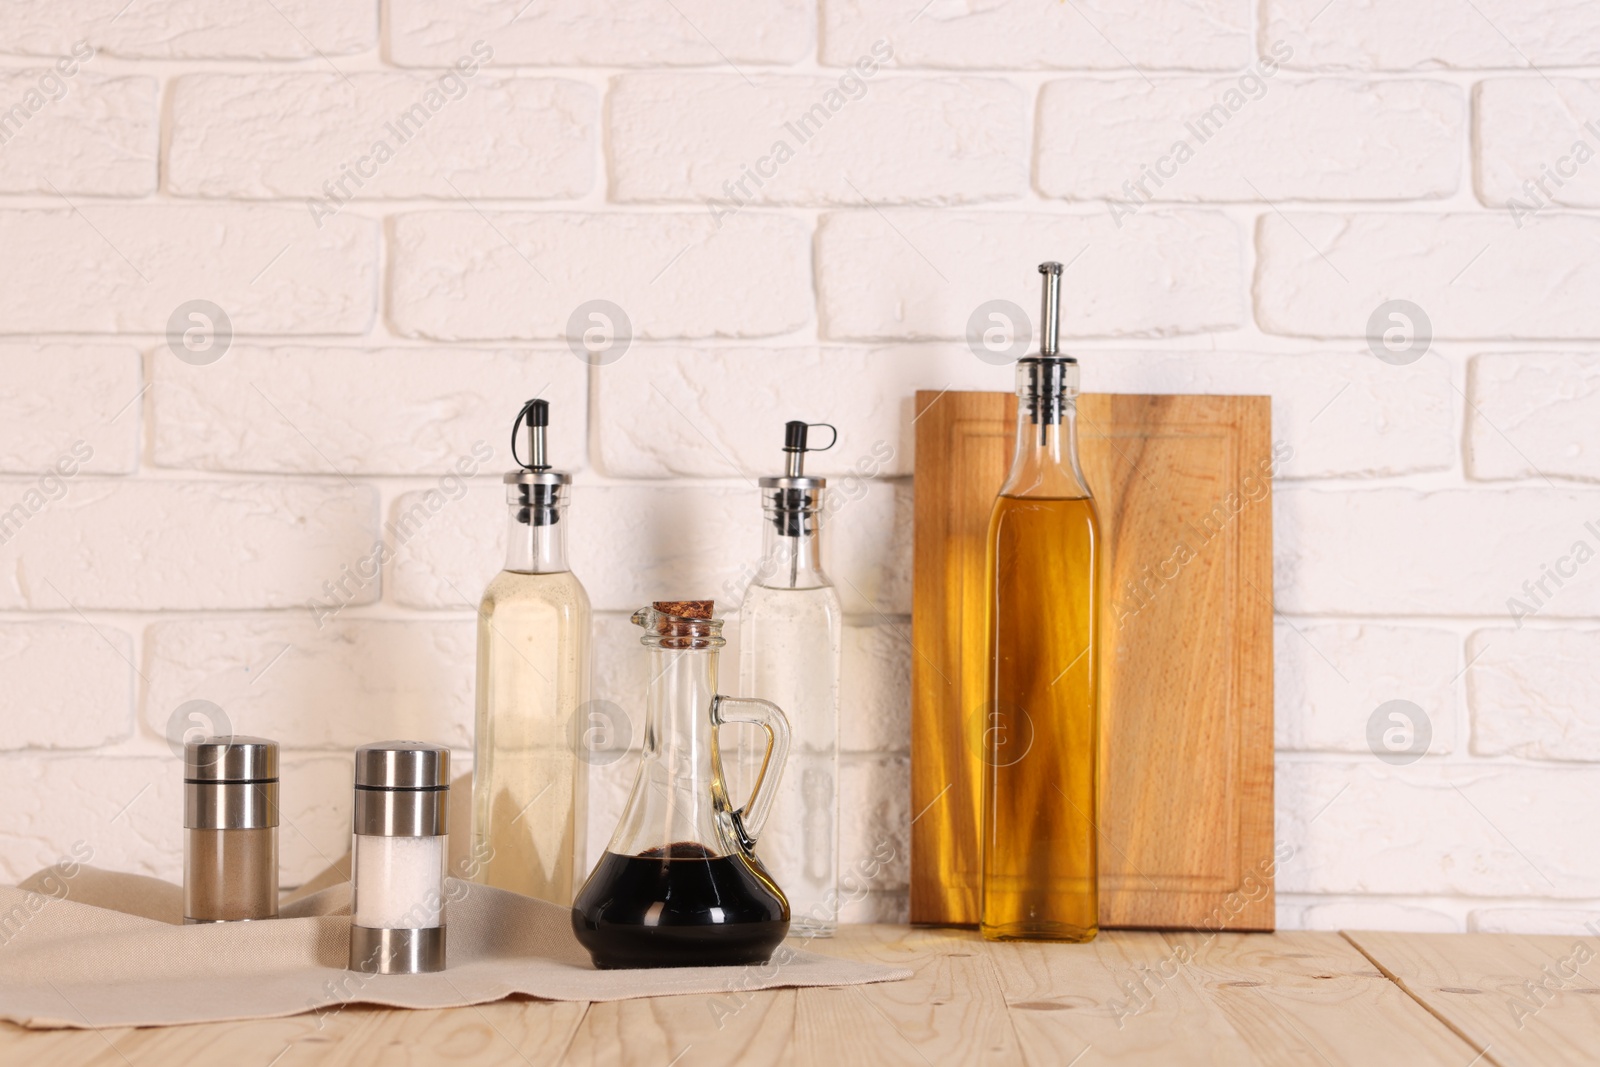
[
  {"x": 1169, "y": 999},
  {"x": 1522, "y": 1000}
]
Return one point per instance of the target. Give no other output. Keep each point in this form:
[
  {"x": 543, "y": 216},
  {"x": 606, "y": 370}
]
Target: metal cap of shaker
[
  {"x": 230, "y": 783},
  {"x": 402, "y": 765},
  {"x": 402, "y": 789},
  {"x": 230, "y": 759}
]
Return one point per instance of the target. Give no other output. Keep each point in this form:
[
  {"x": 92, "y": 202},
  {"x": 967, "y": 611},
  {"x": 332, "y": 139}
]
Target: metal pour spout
[
  {"x": 1050, "y": 311},
  {"x": 794, "y": 449},
  {"x": 536, "y": 416}
]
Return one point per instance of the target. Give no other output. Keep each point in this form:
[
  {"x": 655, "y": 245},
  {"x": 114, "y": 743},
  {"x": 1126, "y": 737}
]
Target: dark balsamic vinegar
[{"x": 679, "y": 906}]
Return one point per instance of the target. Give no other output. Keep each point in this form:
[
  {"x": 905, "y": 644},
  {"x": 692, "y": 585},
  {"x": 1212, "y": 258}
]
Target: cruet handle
[{"x": 748, "y": 820}]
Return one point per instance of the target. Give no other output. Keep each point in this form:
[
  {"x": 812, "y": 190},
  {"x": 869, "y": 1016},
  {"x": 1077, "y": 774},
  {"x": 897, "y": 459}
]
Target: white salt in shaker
[
  {"x": 230, "y": 838},
  {"x": 402, "y": 803}
]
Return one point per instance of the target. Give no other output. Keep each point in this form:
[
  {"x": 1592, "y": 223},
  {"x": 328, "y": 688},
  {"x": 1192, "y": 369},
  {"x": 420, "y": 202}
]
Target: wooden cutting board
[{"x": 1183, "y": 491}]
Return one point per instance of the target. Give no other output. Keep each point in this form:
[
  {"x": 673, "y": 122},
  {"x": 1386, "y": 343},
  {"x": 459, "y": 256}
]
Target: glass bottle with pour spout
[
  {"x": 679, "y": 884},
  {"x": 528, "y": 795},
  {"x": 791, "y": 628},
  {"x": 1041, "y": 731}
]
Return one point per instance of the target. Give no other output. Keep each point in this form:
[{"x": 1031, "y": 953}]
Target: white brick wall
[
  {"x": 170, "y": 507},
  {"x": 1532, "y": 414},
  {"x": 342, "y": 684},
  {"x": 108, "y": 268},
  {"x": 816, "y": 140},
  {"x": 85, "y": 134},
  {"x": 194, "y": 29},
  {"x": 1184, "y": 34},
  {"x": 1531, "y": 132},
  {"x": 463, "y": 275},
  {"x": 1410, "y": 552},
  {"x": 57, "y": 395},
  {"x": 630, "y": 33},
  {"x": 67, "y": 685},
  {"x": 286, "y": 410},
  {"x": 1335, "y": 674},
  {"x": 1435, "y": 829},
  {"x": 1177, "y": 139},
  {"x": 145, "y": 544},
  {"x": 381, "y": 135},
  {"x": 1418, "y": 34},
  {"x": 1322, "y": 274},
  {"x": 1532, "y": 693},
  {"x": 918, "y": 275}
]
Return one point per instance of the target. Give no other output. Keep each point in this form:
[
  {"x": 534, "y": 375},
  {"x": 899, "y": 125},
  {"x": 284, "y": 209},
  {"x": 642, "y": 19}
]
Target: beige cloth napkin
[{"x": 108, "y": 949}]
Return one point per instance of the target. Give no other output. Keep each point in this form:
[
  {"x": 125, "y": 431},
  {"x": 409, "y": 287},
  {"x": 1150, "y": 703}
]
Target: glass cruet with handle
[{"x": 680, "y": 884}]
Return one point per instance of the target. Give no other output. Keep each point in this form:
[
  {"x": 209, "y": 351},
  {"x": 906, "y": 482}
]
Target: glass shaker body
[
  {"x": 397, "y": 914},
  {"x": 791, "y": 627},
  {"x": 529, "y": 795},
  {"x": 230, "y": 840}
]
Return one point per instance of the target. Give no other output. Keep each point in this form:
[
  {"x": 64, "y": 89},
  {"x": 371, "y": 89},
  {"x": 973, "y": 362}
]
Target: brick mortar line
[
  {"x": 1459, "y": 760},
  {"x": 371, "y": 61},
  {"x": 1026, "y": 202},
  {"x": 1218, "y": 344}
]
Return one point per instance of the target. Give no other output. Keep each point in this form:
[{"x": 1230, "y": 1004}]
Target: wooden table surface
[{"x": 1455, "y": 1000}]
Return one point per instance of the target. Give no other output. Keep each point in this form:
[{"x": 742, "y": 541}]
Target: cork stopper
[
  {"x": 680, "y": 624},
  {"x": 685, "y": 609}
]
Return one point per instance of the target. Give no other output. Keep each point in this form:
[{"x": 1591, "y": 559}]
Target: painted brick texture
[{"x": 274, "y": 280}]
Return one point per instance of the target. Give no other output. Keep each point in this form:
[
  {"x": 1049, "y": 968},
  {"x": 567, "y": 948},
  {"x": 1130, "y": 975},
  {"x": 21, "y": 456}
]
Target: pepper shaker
[
  {"x": 401, "y": 810},
  {"x": 230, "y": 818}
]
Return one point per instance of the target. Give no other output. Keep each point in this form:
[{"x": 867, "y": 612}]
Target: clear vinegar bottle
[
  {"x": 791, "y": 632},
  {"x": 528, "y": 792},
  {"x": 1041, "y": 726}
]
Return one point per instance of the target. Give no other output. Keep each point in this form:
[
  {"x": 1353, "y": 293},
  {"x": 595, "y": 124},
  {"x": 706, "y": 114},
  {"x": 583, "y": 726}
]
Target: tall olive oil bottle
[
  {"x": 1041, "y": 724},
  {"x": 529, "y": 790}
]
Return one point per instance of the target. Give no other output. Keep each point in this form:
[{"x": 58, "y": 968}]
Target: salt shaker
[
  {"x": 401, "y": 807},
  {"x": 230, "y": 818}
]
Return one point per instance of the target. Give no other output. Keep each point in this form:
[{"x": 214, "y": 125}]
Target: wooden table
[{"x": 1455, "y": 1000}]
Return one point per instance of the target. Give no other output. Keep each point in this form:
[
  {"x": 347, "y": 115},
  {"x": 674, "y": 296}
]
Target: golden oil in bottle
[
  {"x": 1041, "y": 729},
  {"x": 1040, "y": 725}
]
